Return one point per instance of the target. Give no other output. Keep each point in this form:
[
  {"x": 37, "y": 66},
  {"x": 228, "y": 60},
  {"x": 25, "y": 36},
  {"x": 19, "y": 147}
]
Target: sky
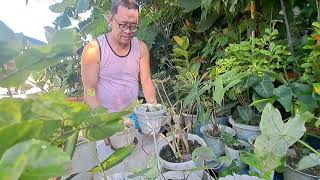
[{"x": 29, "y": 19}]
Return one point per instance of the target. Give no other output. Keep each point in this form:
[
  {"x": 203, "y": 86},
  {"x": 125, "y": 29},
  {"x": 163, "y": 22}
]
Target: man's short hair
[{"x": 130, "y": 4}]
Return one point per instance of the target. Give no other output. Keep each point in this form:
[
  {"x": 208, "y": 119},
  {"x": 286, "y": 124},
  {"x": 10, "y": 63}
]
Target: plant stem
[
  {"x": 283, "y": 7},
  {"x": 71, "y": 143},
  {"x": 94, "y": 152},
  {"x": 309, "y": 147}
]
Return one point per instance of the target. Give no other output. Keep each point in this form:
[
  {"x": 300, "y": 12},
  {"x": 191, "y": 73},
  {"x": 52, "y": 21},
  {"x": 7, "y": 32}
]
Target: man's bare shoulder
[
  {"x": 144, "y": 50},
  {"x": 91, "y": 53}
]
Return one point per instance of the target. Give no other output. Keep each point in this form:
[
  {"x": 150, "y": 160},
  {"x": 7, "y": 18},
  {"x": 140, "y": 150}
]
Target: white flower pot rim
[
  {"x": 182, "y": 165},
  {"x": 243, "y": 126},
  {"x": 300, "y": 172}
]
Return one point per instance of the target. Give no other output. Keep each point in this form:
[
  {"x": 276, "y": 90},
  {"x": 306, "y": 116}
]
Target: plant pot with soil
[
  {"x": 246, "y": 123},
  {"x": 233, "y": 148},
  {"x": 214, "y": 139},
  {"x": 150, "y": 117},
  {"x": 179, "y": 175},
  {"x": 123, "y": 138},
  {"x": 182, "y": 160},
  {"x": 294, "y": 169}
]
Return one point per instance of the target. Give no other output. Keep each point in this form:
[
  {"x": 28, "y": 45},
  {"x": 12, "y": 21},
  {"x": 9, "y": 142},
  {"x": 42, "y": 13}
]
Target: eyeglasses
[{"x": 124, "y": 27}]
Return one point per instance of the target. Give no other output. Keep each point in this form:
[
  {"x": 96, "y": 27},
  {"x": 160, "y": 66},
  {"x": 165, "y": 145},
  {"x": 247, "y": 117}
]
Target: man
[{"x": 112, "y": 63}]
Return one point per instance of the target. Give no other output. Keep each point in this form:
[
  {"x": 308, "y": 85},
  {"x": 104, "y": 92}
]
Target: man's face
[{"x": 123, "y": 23}]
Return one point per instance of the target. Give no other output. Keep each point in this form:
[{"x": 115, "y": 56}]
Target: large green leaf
[
  {"x": 309, "y": 161},
  {"x": 219, "y": 91},
  {"x": 5, "y": 32},
  {"x": 284, "y": 95},
  {"x": 14, "y": 110},
  {"x": 206, "y": 23},
  {"x": 265, "y": 87},
  {"x": 245, "y": 113},
  {"x": 63, "y": 20},
  {"x": 33, "y": 160},
  {"x": 304, "y": 94},
  {"x": 102, "y": 130},
  {"x": 18, "y": 132},
  {"x": 82, "y": 6},
  {"x": 278, "y": 136},
  {"x": 188, "y": 5},
  {"x": 60, "y": 7},
  {"x": 115, "y": 158}
]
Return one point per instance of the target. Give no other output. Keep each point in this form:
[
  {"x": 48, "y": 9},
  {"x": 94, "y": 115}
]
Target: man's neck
[{"x": 116, "y": 43}]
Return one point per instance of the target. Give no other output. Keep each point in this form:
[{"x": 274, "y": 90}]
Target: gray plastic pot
[
  {"x": 244, "y": 131},
  {"x": 150, "y": 121},
  {"x": 183, "y": 166},
  {"x": 123, "y": 138},
  {"x": 235, "y": 154},
  {"x": 293, "y": 174},
  {"x": 216, "y": 143}
]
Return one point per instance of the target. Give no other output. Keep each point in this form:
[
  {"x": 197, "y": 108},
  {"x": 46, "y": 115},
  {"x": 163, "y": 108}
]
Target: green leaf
[
  {"x": 250, "y": 159},
  {"x": 284, "y": 95},
  {"x": 304, "y": 94},
  {"x": 317, "y": 124},
  {"x": 115, "y": 158},
  {"x": 265, "y": 87},
  {"x": 202, "y": 154},
  {"x": 226, "y": 160},
  {"x": 102, "y": 125},
  {"x": 245, "y": 112},
  {"x": 18, "y": 132},
  {"x": 39, "y": 160},
  {"x": 309, "y": 161},
  {"x": 188, "y": 5},
  {"x": 61, "y": 7},
  {"x": 278, "y": 136},
  {"x": 219, "y": 91},
  {"x": 63, "y": 20},
  {"x": 206, "y": 23},
  {"x": 82, "y": 6},
  {"x": 316, "y": 87},
  {"x": 5, "y": 32}
]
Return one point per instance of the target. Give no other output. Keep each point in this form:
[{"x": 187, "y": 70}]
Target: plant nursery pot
[
  {"x": 239, "y": 177},
  {"x": 243, "y": 132},
  {"x": 179, "y": 175},
  {"x": 182, "y": 166},
  {"x": 216, "y": 143},
  {"x": 150, "y": 121},
  {"x": 235, "y": 154},
  {"x": 223, "y": 120},
  {"x": 123, "y": 138},
  {"x": 293, "y": 174},
  {"x": 252, "y": 139}
]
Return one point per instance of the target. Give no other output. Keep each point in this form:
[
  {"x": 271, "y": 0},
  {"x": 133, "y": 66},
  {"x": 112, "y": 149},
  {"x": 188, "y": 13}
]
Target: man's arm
[
  {"x": 89, "y": 73},
  {"x": 145, "y": 74}
]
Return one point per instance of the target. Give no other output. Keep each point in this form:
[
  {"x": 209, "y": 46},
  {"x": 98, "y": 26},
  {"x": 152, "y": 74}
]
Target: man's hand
[{"x": 127, "y": 122}]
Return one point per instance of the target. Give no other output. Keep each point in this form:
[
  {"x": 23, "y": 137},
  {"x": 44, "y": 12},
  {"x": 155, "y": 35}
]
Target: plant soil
[
  {"x": 237, "y": 147},
  {"x": 210, "y": 133},
  {"x": 294, "y": 159},
  {"x": 167, "y": 154}
]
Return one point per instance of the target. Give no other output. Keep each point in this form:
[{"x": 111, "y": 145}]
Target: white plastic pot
[
  {"x": 150, "y": 121},
  {"x": 216, "y": 143},
  {"x": 239, "y": 177},
  {"x": 179, "y": 175},
  {"x": 183, "y": 166},
  {"x": 235, "y": 154},
  {"x": 244, "y": 131},
  {"x": 293, "y": 174},
  {"x": 123, "y": 138}
]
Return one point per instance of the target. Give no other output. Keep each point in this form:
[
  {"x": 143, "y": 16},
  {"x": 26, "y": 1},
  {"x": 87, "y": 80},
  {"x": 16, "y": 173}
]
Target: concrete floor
[{"x": 84, "y": 159}]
